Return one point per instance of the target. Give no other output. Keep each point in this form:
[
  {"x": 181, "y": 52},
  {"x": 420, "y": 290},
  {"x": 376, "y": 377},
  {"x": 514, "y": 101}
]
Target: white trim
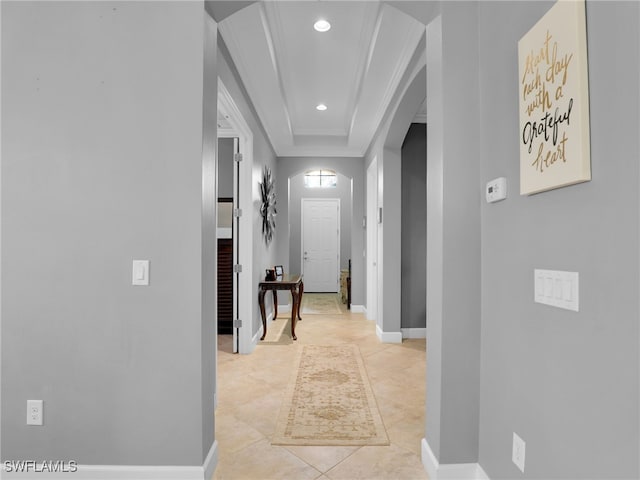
[
  {"x": 256, "y": 338},
  {"x": 388, "y": 337},
  {"x": 129, "y": 472},
  {"x": 414, "y": 332},
  {"x": 274, "y": 38},
  {"x": 329, "y": 132},
  {"x": 358, "y": 309},
  {"x": 449, "y": 471},
  {"x": 245, "y": 251},
  {"x": 371, "y": 239},
  {"x": 420, "y": 118},
  {"x": 480, "y": 473},
  {"x": 211, "y": 461},
  {"x": 429, "y": 460}
]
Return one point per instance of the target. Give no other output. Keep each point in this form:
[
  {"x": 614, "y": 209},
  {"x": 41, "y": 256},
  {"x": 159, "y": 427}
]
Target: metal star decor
[{"x": 268, "y": 207}]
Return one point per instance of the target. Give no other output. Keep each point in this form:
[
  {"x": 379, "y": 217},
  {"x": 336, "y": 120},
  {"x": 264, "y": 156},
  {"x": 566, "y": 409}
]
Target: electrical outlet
[
  {"x": 34, "y": 412},
  {"x": 518, "y": 452}
]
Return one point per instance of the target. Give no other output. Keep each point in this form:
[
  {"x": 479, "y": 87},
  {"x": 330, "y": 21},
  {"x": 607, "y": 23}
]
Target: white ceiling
[{"x": 288, "y": 68}]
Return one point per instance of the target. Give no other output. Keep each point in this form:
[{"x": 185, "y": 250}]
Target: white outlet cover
[{"x": 518, "y": 452}]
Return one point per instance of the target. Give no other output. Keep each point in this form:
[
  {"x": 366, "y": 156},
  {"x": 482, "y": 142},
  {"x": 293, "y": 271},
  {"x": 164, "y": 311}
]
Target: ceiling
[{"x": 288, "y": 68}]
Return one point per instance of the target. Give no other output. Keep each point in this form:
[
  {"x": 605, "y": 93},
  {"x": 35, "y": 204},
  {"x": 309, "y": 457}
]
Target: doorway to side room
[
  {"x": 227, "y": 250},
  {"x": 234, "y": 164},
  {"x": 372, "y": 240}
]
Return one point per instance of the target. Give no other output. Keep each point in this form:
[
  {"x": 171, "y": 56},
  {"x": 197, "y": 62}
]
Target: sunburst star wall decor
[{"x": 268, "y": 207}]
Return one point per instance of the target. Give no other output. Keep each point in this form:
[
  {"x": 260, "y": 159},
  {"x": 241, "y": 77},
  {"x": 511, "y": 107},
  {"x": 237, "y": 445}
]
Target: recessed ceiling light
[
  {"x": 322, "y": 107},
  {"x": 322, "y": 25}
]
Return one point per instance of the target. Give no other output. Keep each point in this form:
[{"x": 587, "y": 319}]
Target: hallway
[{"x": 250, "y": 390}]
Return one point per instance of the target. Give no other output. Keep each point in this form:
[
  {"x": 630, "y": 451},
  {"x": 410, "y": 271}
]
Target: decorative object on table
[
  {"x": 279, "y": 270},
  {"x": 554, "y": 100},
  {"x": 268, "y": 207},
  {"x": 329, "y": 401},
  {"x": 270, "y": 275}
]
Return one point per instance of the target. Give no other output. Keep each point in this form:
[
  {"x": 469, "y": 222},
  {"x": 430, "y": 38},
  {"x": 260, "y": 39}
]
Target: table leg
[
  {"x": 275, "y": 304},
  {"x": 294, "y": 305},
  {"x": 300, "y": 292},
  {"x": 264, "y": 316}
]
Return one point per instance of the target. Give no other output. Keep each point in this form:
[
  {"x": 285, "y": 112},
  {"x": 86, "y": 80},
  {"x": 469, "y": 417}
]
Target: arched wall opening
[
  {"x": 387, "y": 152},
  {"x": 289, "y": 176},
  {"x": 298, "y": 191}
]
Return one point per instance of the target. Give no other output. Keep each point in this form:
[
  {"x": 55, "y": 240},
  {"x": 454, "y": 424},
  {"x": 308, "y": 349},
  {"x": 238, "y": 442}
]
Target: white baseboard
[
  {"x": 211, "y": 462},
  {"x": 120, "y": 472},
  {"x": 449, "y": 471},
  {"x": 358, "y": 309},
  {"x": 414, "y": 332},
  {"x": 256, "y": 338},
  {"x": 388, "y": 337}
]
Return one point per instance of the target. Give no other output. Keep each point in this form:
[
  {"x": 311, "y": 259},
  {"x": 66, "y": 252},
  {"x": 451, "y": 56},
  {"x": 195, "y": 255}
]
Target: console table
[{"x": 294, "y": 284}]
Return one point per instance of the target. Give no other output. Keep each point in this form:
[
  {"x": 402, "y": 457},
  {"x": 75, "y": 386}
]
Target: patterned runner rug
[
  {"x": 330, "y": 401},
  {"x": 320, "y": 304}
]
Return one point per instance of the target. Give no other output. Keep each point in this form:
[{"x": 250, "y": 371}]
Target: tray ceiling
[{"x": 288, "y": 68}]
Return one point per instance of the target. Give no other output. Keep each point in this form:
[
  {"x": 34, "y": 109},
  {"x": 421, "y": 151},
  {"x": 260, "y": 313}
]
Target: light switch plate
[
  {"x": 35, "y": 412},
  {"x": 557, "y": 289},
  {"x": 140, "y": 274},
  {"x": 518, "y": 451}
]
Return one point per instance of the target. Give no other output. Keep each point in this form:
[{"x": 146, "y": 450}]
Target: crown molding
[
  {"x": 411, "y": 44},
  {"x": 366, "y": 44},
  {"x": 230, "y": 38},
  {"x": 269, "y": 10}
]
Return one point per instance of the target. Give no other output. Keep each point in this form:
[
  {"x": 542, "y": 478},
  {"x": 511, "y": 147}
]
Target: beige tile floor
[{"x": 250, "y": 391}]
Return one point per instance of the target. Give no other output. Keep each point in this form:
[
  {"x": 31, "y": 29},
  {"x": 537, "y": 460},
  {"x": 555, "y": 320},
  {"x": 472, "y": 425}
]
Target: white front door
[{"x": 320, "y": 244}]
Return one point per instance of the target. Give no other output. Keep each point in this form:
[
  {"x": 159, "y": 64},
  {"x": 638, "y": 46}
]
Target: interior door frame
[
  {"x": 327, "y": 200},
  {"x": 243, "y": 297},
  {"x": 372, "y": 239}
]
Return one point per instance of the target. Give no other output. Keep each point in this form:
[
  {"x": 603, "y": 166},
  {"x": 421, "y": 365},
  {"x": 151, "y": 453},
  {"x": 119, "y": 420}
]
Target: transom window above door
[{"x": 320, "y": 179}]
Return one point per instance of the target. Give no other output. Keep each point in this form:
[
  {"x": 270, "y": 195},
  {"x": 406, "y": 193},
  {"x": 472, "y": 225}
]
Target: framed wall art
[{"x": 554, "y": 100}]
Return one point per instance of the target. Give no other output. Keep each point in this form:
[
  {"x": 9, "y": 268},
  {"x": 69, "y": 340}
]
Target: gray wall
[
  {"x": 208, "y": 334},
  {"x": 566, "y": 382},
  {"x": 414, "y": 227},
  {"x": 453, "y": 235},
  {"x": 264, "y": 256},
  {"x": 297, "y": 192},
  {"x": 352, "y": 168},
  {"x": 102, "y": 163},
  {"x": 225, "y": 168}
]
